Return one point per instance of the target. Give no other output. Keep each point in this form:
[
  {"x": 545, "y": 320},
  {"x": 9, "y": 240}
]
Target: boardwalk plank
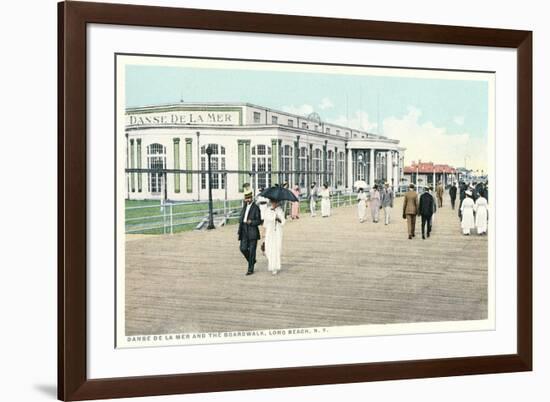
[{"x": 336, "y": 271}]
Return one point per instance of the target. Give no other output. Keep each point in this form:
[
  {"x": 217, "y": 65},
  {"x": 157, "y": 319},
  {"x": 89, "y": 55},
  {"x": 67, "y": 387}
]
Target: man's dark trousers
[
  {"x": 249, "y": 234},
  {"x": 248, "y": 248},
  {"x": 426, "y": 220}
]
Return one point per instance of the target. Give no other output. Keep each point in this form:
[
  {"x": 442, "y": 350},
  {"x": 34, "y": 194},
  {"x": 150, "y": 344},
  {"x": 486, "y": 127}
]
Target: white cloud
[
  {"x": 427, "y": 142},
  {"x": 302, "y": 110},
  {"x": 326, "y": 103},
  {"x": 459, "y": 120},
  {"x": 360, "y": 121}
]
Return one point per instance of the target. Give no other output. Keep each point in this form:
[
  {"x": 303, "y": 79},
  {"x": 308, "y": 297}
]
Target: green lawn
[{"x": 148, "y": 217}]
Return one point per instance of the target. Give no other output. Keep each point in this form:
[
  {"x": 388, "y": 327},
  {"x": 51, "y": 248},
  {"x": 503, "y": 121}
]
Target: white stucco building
[{"x": 274, "y": 146}]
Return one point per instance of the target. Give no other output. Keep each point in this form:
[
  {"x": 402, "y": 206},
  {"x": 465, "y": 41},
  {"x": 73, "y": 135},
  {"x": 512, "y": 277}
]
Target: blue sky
[{"x": 441, "y": 120}]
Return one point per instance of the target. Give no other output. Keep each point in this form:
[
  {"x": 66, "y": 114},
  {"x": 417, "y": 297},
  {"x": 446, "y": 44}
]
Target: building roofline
[{"x": 252, "y": 105}]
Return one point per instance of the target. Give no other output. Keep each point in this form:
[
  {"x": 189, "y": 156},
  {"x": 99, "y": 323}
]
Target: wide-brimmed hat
[
  {"x": 248, "y": 194},
  {"x": 468, "y": 193}
]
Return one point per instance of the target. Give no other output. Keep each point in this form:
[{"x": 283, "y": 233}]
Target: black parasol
[{"x": 279, "y": 194}]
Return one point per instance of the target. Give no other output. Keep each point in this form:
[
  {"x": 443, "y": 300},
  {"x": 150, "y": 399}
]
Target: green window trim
[
  {"x": 274, "y": 161},
  {"x": 189, "y": 164},
  {"x": 139, "y": 175},
  {"x": 132, "y": 160},
  {"x": 176, "y": 164}
]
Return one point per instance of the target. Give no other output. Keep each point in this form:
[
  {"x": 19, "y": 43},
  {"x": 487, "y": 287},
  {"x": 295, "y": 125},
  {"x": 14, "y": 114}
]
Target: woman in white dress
[
  {"x": 374, "y": 203},
  {"x": 467, "y": 210},
  {"x": 274, "y": 219},
  {"x": 480, "y": 208},
  {"x": 325, "y": 201},
  {"x": 361, "y": 205}
]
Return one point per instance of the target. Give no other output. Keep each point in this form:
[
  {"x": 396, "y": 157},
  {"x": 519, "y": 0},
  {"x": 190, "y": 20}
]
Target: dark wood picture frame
[{"x": 73, "y": 383}]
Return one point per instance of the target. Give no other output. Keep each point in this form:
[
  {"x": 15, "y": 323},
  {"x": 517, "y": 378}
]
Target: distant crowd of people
[
  {"x": 472, "y": 210},
  {"x": 270, "y": 216}
]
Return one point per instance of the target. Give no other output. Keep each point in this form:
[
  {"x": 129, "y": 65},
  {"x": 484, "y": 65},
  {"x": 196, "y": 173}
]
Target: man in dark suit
[
  {"x": 426, "y": 209},
  {"x": 452, "y": 194},
  {"x": 248, "y": 231}
]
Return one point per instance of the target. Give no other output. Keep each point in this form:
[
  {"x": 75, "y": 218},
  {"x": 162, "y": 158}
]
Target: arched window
[
  {"x": 361, "y": 166},
  {"x": 287, "y": 163},
  {"x": 217, "y": 163},
  {"x": 156, "y": 159},
  {"x": 303, "y": 166},
  {"x": 261, "y": 164}
]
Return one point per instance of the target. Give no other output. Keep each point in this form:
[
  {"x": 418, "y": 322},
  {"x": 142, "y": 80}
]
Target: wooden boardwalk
[{"x": 336, "y": 271}]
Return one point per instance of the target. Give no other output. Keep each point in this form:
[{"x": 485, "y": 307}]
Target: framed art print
[{"x": 253, "y": 200}]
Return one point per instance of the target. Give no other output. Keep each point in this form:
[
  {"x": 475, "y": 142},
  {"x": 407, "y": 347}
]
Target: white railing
[{"x": 168, "y": 217}]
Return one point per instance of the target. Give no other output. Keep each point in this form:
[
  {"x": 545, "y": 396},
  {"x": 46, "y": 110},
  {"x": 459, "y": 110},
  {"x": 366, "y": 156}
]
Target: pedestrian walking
[
  {"x": 452, "y": 194},
  {"x": 480, "y": 208},
  {"x": 463, "y": 189},
  {"x": 313, "y": 199},
  {"x": 374, "y": 203},
  {"x": 410, "y": 209},
  {"x": 248, "y": 232},
  {"x": 467, "y": 211},
  {"x": 325, "y": 201},
  {"x": 387, "y": 202},
  {"x": 295, "y": 209},
  {"x": 273, "y": 224},
  {"x": 361, "y": 205},
  {"x": 426, "y": 210},
  {"x": 440, "y": 190}
]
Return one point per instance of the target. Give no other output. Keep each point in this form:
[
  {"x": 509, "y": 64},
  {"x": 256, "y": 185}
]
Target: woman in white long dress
[
  {"x": 480, "y": 208},
  {"x": 361, "y": 205},
  {"x": 467, "y": 210},
  {"x": 274, "y": 220},
  {"x": 325, "y": 201},
  {"x": 374, "y": 203}
]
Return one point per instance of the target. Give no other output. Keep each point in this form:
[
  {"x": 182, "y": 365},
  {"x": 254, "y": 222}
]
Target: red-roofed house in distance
[{"x": 429, "y": 173}]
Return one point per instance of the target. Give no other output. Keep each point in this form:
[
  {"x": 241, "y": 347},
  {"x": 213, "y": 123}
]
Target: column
[
  {"x": 335, "y": 172},
  {"x": 396, "y": 178},
  {"x": 280, "y": 157},
  {"x": 132, "y": 165},
  {"x": 354, "y": 165},
  {"x": 296, "y": 162},
  {"x": 325, "y": 164},
  {"x": 310, "y": 157},
  {"x": 138, "y": 159},
  {"x": 247, "y": 161},
  {"x": 274, "y": 161},
  {"x": 434, "y": 179},
  {"x": 243, "y": 147},
  {"x": 389, "y": 167},
  {"x": 346, "y": 164},
  {"x": 198, "y": 166},
  {"x": 176, "y": 164},
  {"x": 372, "y": 166},
  {"x": 189, "y": 164},
  {"x": 127, "y": 166}
]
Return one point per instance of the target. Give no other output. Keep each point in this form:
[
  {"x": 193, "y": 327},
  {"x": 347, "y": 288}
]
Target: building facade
[
  {"x": 428, "y": 173},
  {"x": 250, "y": 144}
]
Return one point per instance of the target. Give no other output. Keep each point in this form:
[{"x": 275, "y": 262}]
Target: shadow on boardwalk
[{"x": 336, "y": 271}]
